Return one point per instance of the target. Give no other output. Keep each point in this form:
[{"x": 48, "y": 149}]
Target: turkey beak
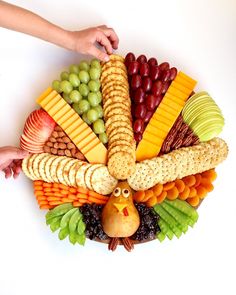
[{"x": 120, "y": 206}]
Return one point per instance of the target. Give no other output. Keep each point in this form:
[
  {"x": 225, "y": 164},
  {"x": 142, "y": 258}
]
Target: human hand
[
  {"x": 10, "y": 160},
  {"x": 86, "y": 41}
]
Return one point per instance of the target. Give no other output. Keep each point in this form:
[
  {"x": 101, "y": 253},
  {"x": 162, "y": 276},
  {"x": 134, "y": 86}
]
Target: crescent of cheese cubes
[
  {"x": 77, "y": 130},
  {"x": 165, "y": 117}
]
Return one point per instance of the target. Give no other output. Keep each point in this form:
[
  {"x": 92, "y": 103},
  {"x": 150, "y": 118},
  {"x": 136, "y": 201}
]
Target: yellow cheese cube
[
  {"x": 176, "y": 92},
  {"x": 174, "y": 99},
  {"x": 75, "y": 135},
  {"x": 70, "y": 121},
  {"x": 162, "y": 119},
  {"x": 187, "y": 78},
  {"x": 53, "y": 96},
  {"x": 95, "y": 141},
  {"x": 155, "y": 131},
  {"x": 146, "y": 150},
  {"x": 181, "y": 87},
  {"x": 97, "y": 155},
  {"x": 73, "y": 126},
  {"x": 160, "y": 125},
  {"x": 57, "y": 107},
  {"x": 164, "y": 114},
  {"x": 155, "y": 139},
  {"x": 166, "y": 109},
  {"x": 84, "y": 138}
]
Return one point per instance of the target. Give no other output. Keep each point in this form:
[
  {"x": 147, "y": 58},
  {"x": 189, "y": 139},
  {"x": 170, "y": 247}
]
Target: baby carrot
[
  {"x": 82, "y": 190},
  {"x": 39, "y": 193},
  {"x": 45, "y": 207},
  {"x": 66, "y": 200},
  {"x": 97, "y": 196},
  {"x": 82, "y": 196},
  {"x": 72, "y": 190},
  {"x": 53, "y": 199},
  {"x": 38, "y": 182},
  {"x": 38, "y": 188},
  {"x": 55, "y": 203},
  {"x": 77, "y": 204},
  {"x": 45, "y": 184},
  {"x": 72, "y": 197},
  {"x": 64, "y": 192},
  {"x": 47, "y": 189},
  {"x": 63, "y": 186},
  {"x": 97, "y": 201}
]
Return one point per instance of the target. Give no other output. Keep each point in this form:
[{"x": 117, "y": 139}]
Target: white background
[{"x": 198, "y": 37}]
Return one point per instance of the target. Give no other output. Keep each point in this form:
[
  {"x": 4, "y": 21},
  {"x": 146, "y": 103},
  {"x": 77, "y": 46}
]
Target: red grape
[
  {"x": 136, "y": 81},
  {"x": 139, "y": 95},
  {"x": 154, "y": 72},
  {"x": 140, "y": 111},
  {"x": 142, "y": 58},
  {"x": 157, "y": 88},
  {"x": 173, "y": 73},
  {"x": 164, "y": 66},
  {"x": 165, "y": 75},
  {"x": 150, "y": 102},
  {"x": 138, "y": 137},
  {"x": 138, "y": 126},
  {"x": 144, "y": 69},
  {"x": 148, "y": 116},
  {"x": 129, "y": 57},
  {"x": 133, "y": 68},
  {"x": 147, "y": 84},
  {"x": 165, "y": 86},
  {"x": 152, "y": 61}
]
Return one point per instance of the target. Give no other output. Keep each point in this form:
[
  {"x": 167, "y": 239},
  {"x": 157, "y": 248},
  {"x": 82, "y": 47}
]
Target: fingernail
[{"x": 106, "y": 58}]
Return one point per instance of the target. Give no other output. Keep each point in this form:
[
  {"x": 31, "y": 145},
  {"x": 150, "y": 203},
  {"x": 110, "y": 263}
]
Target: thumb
[
  {"x": 15, "y": 153},
  {"x": 99, "y": 54}
]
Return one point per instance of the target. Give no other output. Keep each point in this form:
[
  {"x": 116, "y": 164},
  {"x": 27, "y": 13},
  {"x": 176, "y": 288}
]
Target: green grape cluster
[
  {"x": 80, "y": 87},
  {"x": 70, "y": 222},
  {"x": 175, "y": 217}
]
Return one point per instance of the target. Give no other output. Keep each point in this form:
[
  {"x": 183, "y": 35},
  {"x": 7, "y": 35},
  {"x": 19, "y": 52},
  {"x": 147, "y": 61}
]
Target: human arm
[
  {"x": 19, "y": 19},
  {"x": 10, "y": 160}
]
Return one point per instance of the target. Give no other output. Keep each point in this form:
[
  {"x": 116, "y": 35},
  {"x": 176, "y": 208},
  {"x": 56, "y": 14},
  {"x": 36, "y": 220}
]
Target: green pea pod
[
  {"x": 63, "y": 233},
  {"x": 81, "y": 227},
  {"x": 74, "y": 220},
  {"x": 59, "y": 210},
  {"x": 184, "y": 207},
  {"x": 81, "y": 239},
  {"x": 52, "y": 220},
  {"x": 73, "y": 237},
  {"x": 66, "y": 218},
  {"x": 161, "y": 236},
  {"x": 54, "y": 226}
]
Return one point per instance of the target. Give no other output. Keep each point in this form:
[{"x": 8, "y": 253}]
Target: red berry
[{"x": 142, "y": 58}]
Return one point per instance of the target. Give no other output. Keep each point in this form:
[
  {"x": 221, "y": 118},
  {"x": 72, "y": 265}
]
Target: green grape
[
  {"x": 67, "y": 98},
  {"x": 85, "y": 118},
  {"x": 93, "y": 99},
  {"x": 83, "y": 89},
  {"x": 84, "y": 105},
  {"x": 64, "y": 75},
  {"x": 74, "y": 69},
  {"x": 84, "y": 76},
  {"x": 99, "y": 109},
  {"x": 95, "y": 63},
  {"x": 98, "y": 126},
  {"x": 84, "y": 65},
  {"x": 74, "y": 80},
  {"x": 94, "y": 85},
  {"x": 66, "y": 86},
  {"x": 99, "y": 94},
  {"x": 76, "y": 107},
  {"x": 75, "y": 96},
  {"x": 103, "y": 137},
  {"x": 92, "y": 115},
  {"x": 56, "y": 86},
  {"x": 94, "y": 73}
]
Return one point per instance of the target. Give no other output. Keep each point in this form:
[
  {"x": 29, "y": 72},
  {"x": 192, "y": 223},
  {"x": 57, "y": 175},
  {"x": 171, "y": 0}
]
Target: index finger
[{"x": 111, "y": 35}]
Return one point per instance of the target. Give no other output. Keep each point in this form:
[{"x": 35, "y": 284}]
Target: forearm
[{"x": 24, "y": 21}]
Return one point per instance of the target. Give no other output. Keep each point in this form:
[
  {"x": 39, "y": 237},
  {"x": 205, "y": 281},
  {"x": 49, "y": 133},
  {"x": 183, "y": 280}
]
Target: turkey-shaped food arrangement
[{"x": 122, "y": 152}]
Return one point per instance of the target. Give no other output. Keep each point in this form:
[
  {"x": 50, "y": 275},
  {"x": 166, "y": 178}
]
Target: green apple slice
[{"x": 209, "y": 112}]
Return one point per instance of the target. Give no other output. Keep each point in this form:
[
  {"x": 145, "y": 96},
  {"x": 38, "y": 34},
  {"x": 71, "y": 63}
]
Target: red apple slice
[
  {"x": 34, "y": 139},
  {"x": 44, "y": 118}
]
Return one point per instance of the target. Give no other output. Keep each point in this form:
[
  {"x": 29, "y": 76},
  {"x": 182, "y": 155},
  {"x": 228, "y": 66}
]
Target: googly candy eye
[
  {"x": 117, "y": 192},
  {"x": 125, "y": 193}
]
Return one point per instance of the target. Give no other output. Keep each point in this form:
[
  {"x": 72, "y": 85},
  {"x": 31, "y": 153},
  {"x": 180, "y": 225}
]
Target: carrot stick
[
  {"x": 82, "y": 190},
  {"x": 55, "y": 189},
  {"x": 66, "y": 200},
  {"x": 72, "y": 197},
  {"x": 56, "y": 185},
  {"x": 38, "y": 182},
  {"x": 43, "y": 202},
  {"x": 97, "y": 201},
  {"x": 38, "y": 188},
  {"x": 77, "y": 204},
  {"x": 98, "y": 196},
  {"x": 45, "y": 184},
  {"x": 83, "y": 201},
  {"x": 47, "y": 189},
  {"x": 82, "y": 196},
  {"x": 41, "y": 198},
  {"x": 72, "y": 190},
  {"x": 55, "y": 203},
  {"x": 45, "y": 207},
  {"x": 64, "y": 192},
  {"x": 53, "y": 199},
  {"x": 63, "y": 187},
  {"x": 38, "y": 193}
]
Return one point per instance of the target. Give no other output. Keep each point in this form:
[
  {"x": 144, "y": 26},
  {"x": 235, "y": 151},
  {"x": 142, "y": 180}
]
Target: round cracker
[
  {"x": 121, "y": 142},
  {"x": 114, "y": 63},
  {"x": 102, "y": 182},
  {"x": 47, "y": 168},
  {"x": 115, "y": 83},
  {"x": 121, "y": 129},
  {"x": 117, "y": 124},
  {"x": 121, "y": 148},
  {"x": 88, "y": 173},
  {"x": 72, "y": 173},
  {"x": 121, "y": 118},
  {"x": 120, "y": 136},
  {"x": 66, "y": 170},
  {"x": 41, "y": 166},
  {"x": 115, "y": 57},
  {"x": 79, "y": 177},
  {"x": 114, "y": 78},
  {"x": 60, "y": 170},
  {"x": 36, "y": 162},
  {"x": 118, "y": 111},
  {"x": 53, "y": 167},
  {"x": 30, "y": 166},
  {"x": 115, "y": 88},
  {"x": 25, "y": 169}
]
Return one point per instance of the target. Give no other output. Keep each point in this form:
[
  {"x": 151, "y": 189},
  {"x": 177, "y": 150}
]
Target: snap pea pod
[
  {"x": 166, "y": 229},
  {"x": 73, "y": 237},
  {"x": 54, "y": 226},
  {"x": 81, "y": 227},
  {"x": 74, "y": 220},
  {"x": 183, "y": 226},
  {"x": 81, "y": 239},
  {"x": 59, "y": 210},
  {"x": 63, "y": 233},
  {"x": 66, "y": 218},
  {"x": 184, "y": 207},
  {"x": 53, "y": 219},
  {"x": 161, "y": 236},
  {"x": 168, "y": 219}
]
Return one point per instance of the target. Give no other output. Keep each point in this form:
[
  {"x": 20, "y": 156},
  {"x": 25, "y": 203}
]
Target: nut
[
  {"x": 59, "y": 139},
  {"x": 67, "y": 153},
  {"x": 46, "y": 149},
  {"x": 61, "y": 153},
  {"x": 54, "y": 151},
  {"x": 66, "y": 139},
  {"x": 55, "y": 134},
  {"x": 73, "y": 152},
  {"x": 61, "y": 134},
  {"x": 56, "y": 145},
  {"x": 70, "y": 146},
  {"x": 79, "y": 156},
  {"x": 58, "y": 129},
  {"x": 52, "y": 139},
  {"x": 61, "y": 145},
  {"x": 49, "y": 144}
]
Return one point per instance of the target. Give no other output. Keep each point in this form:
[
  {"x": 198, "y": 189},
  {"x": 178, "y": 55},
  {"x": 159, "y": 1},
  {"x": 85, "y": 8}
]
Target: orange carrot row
[
  {"x": 191, "y": 188},
  {"x": 49, "y": 195}
]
